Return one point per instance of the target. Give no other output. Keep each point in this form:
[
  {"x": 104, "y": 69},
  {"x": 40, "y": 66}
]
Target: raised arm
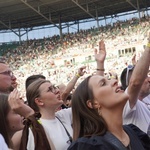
[
  {"x": 100, "y": 56},
  {"x": 17, "y": 104},
  {"x": 72, "y": 83},
  {"x": 138, "y": 76}
]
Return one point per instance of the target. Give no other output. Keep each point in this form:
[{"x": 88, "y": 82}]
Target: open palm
[{"x": 100, "y": 54}]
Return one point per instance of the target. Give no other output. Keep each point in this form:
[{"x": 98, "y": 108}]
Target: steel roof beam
[
  {"x": 87, "y": 11},
  {"x": 38, "y": 12},
  {"x": 137, "y": 8},
  {"x": 132, "y": 4},
  {"x": 26, "y": 31},
  {"x": 1, "y": 22}
]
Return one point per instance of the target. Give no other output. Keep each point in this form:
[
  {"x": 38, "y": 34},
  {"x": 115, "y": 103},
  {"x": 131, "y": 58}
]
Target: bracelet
[
  {"x": 77, "y": 75},
  {"x": 100, "y": 69},
  {"x": 148, "y": 45}
]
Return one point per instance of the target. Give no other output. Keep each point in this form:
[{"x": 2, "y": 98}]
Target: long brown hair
[
  {"x": 40, "y": 138},
  {"x": 86, "y": 121},
  {"x": 4, "y": 109}
]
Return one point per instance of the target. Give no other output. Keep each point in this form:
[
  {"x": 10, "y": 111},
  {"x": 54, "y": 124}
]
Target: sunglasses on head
[{"x": 129, "y": 68}]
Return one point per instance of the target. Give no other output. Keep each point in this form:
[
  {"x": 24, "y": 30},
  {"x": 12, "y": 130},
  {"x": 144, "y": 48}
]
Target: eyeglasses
[
  {"x": 53, "y": 88},
  {"x": 129, "y": 68},
  {"x": 8, "y": 72}
]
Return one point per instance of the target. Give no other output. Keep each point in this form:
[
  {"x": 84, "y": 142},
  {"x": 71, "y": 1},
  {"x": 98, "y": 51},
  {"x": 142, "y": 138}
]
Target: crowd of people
[
  {"x": 109, "y": 105},
  {"x": 54, "y": 57}
]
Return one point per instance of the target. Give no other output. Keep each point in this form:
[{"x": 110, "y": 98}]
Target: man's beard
[
  {"x": 7, "y": 90},
  {"x": 10, "y": 89}
]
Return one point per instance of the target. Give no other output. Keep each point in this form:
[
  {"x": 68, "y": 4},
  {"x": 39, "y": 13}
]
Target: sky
[{"x": 48, "y": 32}]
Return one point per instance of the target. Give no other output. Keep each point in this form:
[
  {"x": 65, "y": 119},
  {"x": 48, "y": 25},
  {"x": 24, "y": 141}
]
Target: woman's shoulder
[
  {"x": 65, "y": 110},
  {"x": 142, "y": 136},
  {"x": 3, "y": 145},
  {"x": 136, "y": 130},
  {"x": 64, "y": 114},
  {"x": 94, "y": 142}
]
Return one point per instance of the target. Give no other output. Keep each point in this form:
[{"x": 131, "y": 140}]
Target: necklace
[
  {"x": 125, "y": 141},
  {"x": 129, "y": 147}
]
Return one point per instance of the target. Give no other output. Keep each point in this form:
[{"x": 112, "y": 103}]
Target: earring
[{"x": 99, "y": 111}]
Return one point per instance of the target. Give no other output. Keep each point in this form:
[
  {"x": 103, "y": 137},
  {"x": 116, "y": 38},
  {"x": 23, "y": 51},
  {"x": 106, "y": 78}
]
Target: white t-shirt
[
  {"x": 3, "y": 145},
  {"x": 146, "y": 100},
  {"x": 55, "y": 131},
  {"x": 139, "y": 115}
]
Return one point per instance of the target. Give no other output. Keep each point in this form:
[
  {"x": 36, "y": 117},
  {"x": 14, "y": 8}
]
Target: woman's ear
[
  {"x": 39, "y": 102},
  {"x": 89, "y": 104}
]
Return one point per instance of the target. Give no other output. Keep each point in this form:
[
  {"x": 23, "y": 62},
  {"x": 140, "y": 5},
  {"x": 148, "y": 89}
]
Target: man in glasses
[
  {"x": 135, "y": 110},
  {"x": 7, "y": 78}
]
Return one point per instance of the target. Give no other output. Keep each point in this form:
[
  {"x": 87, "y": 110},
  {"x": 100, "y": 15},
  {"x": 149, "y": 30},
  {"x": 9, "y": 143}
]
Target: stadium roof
[{"x": 31, "y": 13}]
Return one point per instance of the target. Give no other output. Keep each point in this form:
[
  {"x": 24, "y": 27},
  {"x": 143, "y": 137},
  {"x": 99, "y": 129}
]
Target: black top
[{"x": 138, "y": 141}]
